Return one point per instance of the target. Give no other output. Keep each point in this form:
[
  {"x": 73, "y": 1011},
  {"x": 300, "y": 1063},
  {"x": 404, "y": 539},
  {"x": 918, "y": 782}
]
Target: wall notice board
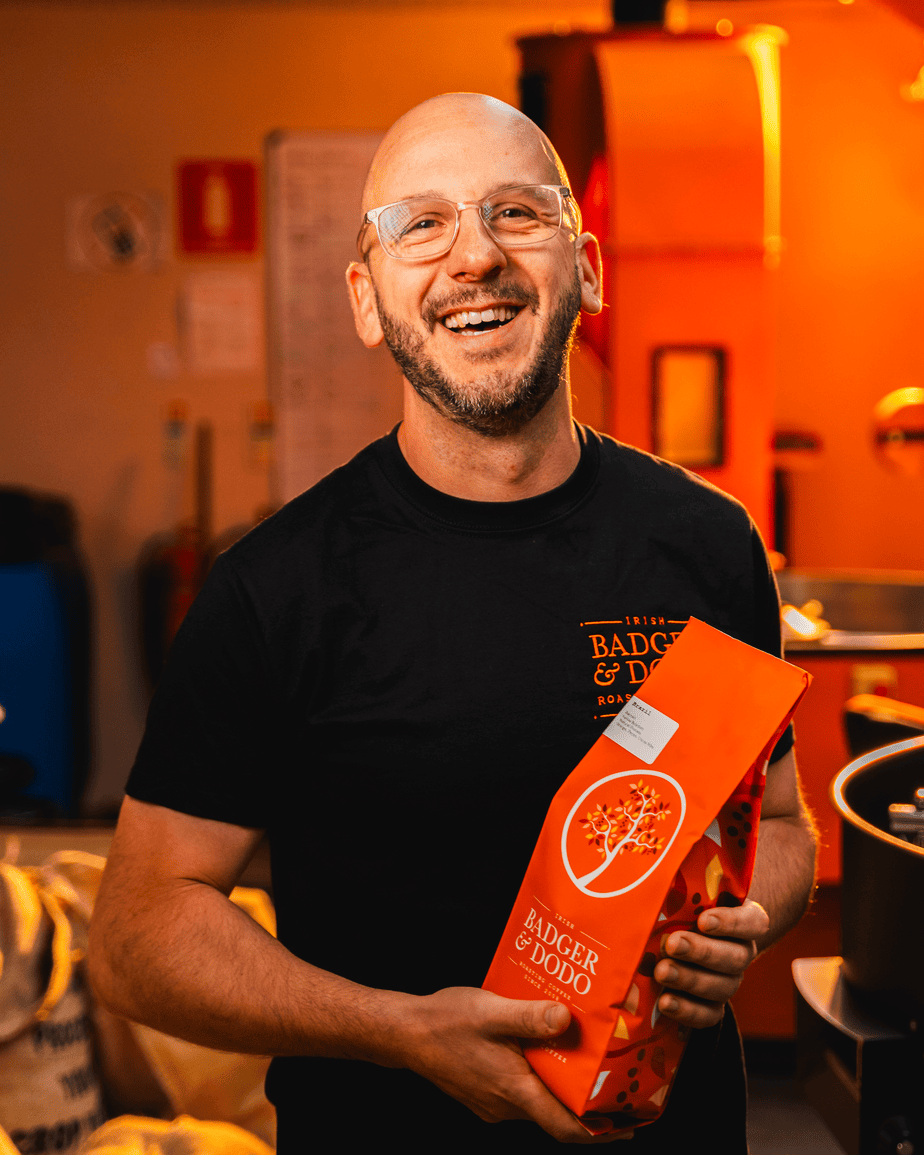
[{"x": 331, "y": 395}]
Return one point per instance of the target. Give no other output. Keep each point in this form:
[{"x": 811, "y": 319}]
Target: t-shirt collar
[{"x": 491, "y": 516}]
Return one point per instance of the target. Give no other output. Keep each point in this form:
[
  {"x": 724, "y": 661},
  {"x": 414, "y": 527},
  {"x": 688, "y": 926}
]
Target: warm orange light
[
  {"x": 724, "y": 27},
  {"x": 762, "y": 46},
  {"x": 889, "y": 405},
  {"x": 805, "y": 624},
  {"x": 915, "y": 90},
  {"x": 898, "y": 430},
  {"x": 676, "y": 16}
]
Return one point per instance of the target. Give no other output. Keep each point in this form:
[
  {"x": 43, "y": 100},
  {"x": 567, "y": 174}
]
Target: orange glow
[
  {"x": 763, "y": 49},
  {"x": 898, "y": 430},
  {"x": 805, "y": 624},
  {"x": 724, "y": 27},
  {"x": 676, "y": 16},
  {"x": 914, "y": 91},
  {"x": 898, "y": 399}
]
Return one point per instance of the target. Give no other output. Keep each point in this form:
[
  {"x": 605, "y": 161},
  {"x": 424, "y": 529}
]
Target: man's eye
[
  {"x": 511, "y": 215},
  {"x": 423, "y": 229},
  {"x": 422, "y": 224}
]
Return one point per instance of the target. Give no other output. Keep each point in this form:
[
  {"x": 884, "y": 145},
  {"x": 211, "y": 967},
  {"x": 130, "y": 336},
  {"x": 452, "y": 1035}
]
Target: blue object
[{"x": 36, "y": 688}]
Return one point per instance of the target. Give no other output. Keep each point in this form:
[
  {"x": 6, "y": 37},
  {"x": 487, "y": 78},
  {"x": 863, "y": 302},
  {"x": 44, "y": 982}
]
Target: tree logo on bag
[{"x": 619, "y": 831}]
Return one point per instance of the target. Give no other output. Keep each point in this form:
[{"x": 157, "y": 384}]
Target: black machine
[{"x": 860, "y": 1017}]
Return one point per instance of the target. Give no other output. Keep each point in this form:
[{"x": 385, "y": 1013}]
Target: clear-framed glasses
[{"x": 421, "y": 228}]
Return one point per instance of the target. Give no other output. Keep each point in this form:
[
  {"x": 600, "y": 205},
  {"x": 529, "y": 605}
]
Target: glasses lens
[
  {"x": 423, "y": 227},
  {"x": 416, "y": 228},
  {"x": 522, "y": 216}
]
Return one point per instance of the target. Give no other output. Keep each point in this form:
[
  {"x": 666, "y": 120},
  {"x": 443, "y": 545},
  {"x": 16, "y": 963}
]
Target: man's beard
[{"x": 499, "y": 402}]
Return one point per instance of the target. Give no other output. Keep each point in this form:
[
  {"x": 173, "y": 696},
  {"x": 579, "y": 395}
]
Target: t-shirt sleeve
[
  {"x": 767, "y": 622},
  {"x": 210, "y": 743}
]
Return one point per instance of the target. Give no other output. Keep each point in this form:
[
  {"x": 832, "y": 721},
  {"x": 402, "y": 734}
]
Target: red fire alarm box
[{"x": 217, "y": 206}]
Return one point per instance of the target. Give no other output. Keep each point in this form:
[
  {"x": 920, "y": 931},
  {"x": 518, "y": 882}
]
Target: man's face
[
  {"x": 497, "y": 400},
  {"x": 491, "y": 373}
]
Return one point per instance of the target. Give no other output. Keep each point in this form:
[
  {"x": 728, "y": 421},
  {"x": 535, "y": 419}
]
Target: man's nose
[{"x": 475, "y": 253}]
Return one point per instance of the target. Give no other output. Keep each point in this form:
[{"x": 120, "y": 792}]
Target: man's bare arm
[
  {"x": 169, "y": 949},
  {"x": 784, "y": 870},
  {"x": 704, "y": 969}
]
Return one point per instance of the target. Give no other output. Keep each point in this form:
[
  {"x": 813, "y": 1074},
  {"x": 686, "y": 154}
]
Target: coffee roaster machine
[
  {"x": 860, "y": 1016},
  {"x": 671, "y": 142}
]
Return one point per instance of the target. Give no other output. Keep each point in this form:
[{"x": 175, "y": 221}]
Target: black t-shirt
[{"x": 394, "y": 682}]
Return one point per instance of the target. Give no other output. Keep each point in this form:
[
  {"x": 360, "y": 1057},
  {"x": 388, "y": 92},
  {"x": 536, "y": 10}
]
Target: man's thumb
[{"x": 540, "y": 1020}]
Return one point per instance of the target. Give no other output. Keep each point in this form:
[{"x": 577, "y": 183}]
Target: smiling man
[
  {"x": 514, "y": 251},
  {"x": 393, "y": 675}
]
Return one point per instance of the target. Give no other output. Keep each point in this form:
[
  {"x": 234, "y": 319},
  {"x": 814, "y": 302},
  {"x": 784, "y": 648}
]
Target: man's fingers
[
  {"x": 691, "y": 1012},
  {"x": 728, "y": 957},
  {"x": 723, "y": 940},
  {"x": 748, "y": 921},
  {"x": 702, "y": 968},
  {"x": 543, "y": 1108},
  {"x": 468, "y": 1047},
  {"x": 704, "y": 984},
  {"x": 544, "y": 1020}
]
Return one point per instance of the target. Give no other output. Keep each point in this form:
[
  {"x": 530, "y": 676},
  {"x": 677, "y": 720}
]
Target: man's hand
[
  {"x": 170, "y": 950},
  {"x": 703, "y": 968},
  {"x": 465, "y": 1041}
]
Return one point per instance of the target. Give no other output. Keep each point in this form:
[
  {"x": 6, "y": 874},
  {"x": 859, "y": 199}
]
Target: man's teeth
[{"x": 501, "y": 313}]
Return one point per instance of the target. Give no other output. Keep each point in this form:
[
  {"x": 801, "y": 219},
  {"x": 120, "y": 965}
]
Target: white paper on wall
[
  {"x": 330, "y": 394},
  {"x": 221, "y": 319}
]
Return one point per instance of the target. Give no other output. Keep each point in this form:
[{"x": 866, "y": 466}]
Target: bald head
[
  {"x": 481, "y": 329},
  {"x": 479, "y": 131}
]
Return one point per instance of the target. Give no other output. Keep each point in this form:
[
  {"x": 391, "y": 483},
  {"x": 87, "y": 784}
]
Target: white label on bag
[{"x": 641, "y": 729}]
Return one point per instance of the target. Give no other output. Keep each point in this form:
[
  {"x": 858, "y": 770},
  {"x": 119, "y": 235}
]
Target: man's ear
[
  {"x": 590, "y": 268},
  {"x": 363, "y": 303}
]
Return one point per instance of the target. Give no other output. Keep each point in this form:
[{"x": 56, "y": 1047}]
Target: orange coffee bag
[{"x": 656, "y": 823}]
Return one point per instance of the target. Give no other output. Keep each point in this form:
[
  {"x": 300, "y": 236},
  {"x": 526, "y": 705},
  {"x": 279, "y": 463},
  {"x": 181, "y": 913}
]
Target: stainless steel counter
[{"x": 866, "y": 609}]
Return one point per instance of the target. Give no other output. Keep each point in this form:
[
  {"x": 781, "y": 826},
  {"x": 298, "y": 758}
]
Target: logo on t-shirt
[{"x": 621, "y": 654}]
